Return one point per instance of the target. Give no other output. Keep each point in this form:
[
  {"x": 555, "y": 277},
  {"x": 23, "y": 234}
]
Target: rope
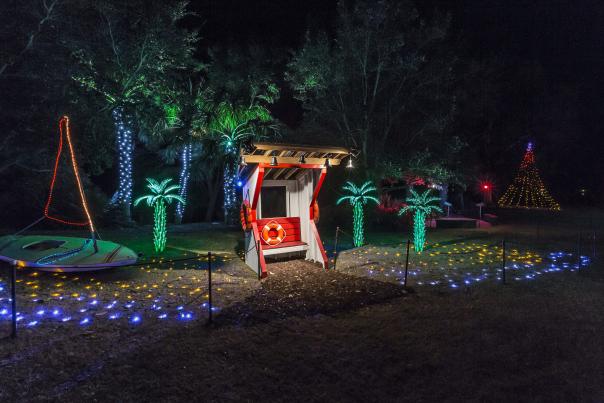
[{"x": 30, "y": 225}]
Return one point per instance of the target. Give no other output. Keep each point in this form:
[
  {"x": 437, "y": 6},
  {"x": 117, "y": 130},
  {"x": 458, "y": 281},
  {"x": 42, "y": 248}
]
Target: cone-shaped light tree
[
  {"x": 159, "y": 198},
  {"x": 421, "y": 205},
  {"x": 527, "y": 190},
  {"x": 359, "y": 196}
]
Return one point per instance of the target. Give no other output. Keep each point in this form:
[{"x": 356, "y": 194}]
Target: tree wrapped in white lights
[
  {"x": 123, "y": 59},
  {"x": 183, "y": 181}
]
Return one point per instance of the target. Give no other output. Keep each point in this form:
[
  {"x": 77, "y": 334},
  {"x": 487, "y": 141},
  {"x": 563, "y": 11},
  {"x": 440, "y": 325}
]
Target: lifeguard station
[{"x": 281, "y": 183}]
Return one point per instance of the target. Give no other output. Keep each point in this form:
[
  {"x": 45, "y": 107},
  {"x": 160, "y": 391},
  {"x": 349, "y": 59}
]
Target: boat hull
[{"x": 63, "y": 254}]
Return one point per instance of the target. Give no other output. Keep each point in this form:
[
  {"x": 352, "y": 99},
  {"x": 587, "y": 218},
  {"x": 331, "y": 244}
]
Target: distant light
[
  {"x": 239, "y": 183},
  {"x": 349, "y": 165},
  {"x": 486, "y": 187}
]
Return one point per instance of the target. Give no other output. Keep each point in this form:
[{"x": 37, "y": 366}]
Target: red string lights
[{"x": 64, "y": 122}]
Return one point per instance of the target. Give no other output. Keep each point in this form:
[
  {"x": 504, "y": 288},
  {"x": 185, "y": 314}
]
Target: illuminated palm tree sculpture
[
  {"x": 159, "y": 198},
  {"x": 421, "y": 205},
  {"x": 358, "y": 198}
]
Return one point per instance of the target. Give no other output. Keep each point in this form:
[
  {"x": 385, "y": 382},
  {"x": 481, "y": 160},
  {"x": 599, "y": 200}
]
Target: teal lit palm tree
[
  {"x": 421, "y": 206},
  {"x": 359, "y": 196},
  {"x": 159, "y": 198},
  {"x": 232, "y": 125}
]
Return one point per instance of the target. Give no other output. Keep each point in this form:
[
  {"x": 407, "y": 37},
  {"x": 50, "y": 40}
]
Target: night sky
[{"x": 553, "y": 54}]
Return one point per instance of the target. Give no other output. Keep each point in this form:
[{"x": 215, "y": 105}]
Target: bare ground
[{"x": 308, "y": 335}]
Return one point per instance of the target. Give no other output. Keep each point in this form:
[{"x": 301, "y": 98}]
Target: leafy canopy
[
  {"x": 383, "y": 83},
  {"x": 123, "y": 49}
]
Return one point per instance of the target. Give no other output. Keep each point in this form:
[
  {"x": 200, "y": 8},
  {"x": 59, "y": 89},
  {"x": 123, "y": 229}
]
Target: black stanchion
[
  {"x": 13, "y": 298},
  {"x": 259, "y": 265},
  {"x": 406, "y": 263},
  {"x": 593, "y": 245},
  {"x": 209, "y": 287},
  {"x": 335, "y": 249},
  {"x": 503, "y": 261}
]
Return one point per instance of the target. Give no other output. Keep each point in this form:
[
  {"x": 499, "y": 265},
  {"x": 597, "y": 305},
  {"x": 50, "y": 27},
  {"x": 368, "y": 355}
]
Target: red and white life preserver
[{"x": 273, "y": 233}]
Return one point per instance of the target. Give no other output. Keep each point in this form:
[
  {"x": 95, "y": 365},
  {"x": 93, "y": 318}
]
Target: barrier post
[
  {"x": 406, "y": 263},
  {"x": 13, "y": 298},
  {"x": 335, "y": 248},
  {"x": 593, "y": 245},
  {"x": 503, "y": 261},
  {"x": 209, "y": 287},
  {"x": 579, "y": 246},
  {"x": 259, "y": 265}
]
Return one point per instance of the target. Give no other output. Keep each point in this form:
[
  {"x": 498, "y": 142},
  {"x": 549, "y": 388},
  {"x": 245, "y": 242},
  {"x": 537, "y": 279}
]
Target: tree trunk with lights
[
  {"x": 159, "y": 226},
  {"x": 230, "y": 191},
  {"x": 358, "y": 223},
  {"x": 419, "y": 231},
  {"x": 185, "y": 173},
  {"x": 125, "y": 151}
]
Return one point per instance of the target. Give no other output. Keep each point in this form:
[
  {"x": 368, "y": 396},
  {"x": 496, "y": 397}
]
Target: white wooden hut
[{"x": 281, "y": 184}]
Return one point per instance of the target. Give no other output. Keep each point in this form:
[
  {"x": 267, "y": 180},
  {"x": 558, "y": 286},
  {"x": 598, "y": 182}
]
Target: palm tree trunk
[
  {"x": 159, "y": 226},
  {"x": 230, "y": 191},
  {"x": 358, "y": 222},
  {"x": 419, "y": 231}
]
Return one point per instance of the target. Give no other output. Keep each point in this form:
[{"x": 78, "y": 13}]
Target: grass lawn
[{"x": 307, "y": 334}]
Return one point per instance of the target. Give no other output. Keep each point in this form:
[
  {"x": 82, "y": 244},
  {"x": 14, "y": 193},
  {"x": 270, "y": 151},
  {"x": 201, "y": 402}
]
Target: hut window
[{"x": 274, "y": 201}]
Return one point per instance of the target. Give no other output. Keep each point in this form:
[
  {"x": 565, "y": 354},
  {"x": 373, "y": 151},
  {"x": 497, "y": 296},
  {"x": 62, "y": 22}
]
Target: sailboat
[{"x": 63, "y": 253}]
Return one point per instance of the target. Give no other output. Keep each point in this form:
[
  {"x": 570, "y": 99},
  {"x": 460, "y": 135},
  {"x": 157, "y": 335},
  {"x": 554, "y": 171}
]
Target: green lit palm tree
[
  {"x": 421, "y": 205},
  {"x": 359, "y": 196},
  {"x": 231, "y": 125},
  {"x": 159, "y": 198}
]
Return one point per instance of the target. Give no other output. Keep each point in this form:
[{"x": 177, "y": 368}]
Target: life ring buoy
[
  {"x": 273, "y": 233},
  {"x": 315, "y": 210},
  {"x": 245, "y": 214}
]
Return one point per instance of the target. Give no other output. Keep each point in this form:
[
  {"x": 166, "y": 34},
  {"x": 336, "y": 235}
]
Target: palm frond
[
  {"x": 140, "y": 199},
  {"x": 421, "y": 202},
  {"x": 344, "y": 198},
  {"x": 170, "y": 189},
  {"x": 370, "y": 198},
  {"x": 172, "y": 197}
]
